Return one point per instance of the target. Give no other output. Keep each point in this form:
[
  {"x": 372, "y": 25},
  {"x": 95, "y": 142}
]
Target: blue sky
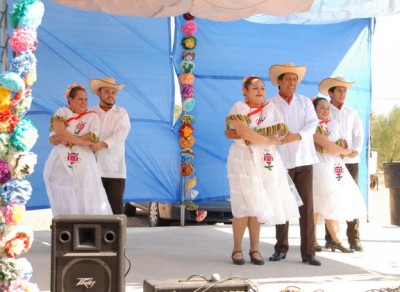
[{"x": 386, "y": 64}]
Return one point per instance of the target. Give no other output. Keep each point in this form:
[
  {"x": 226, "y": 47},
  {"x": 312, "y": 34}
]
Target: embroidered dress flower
[
  {"x": 72, "y": 158},
  {"x": 80, "y": 127},
  {"x": 268, "y": 158},
  {"x": 338, "y": 170}
]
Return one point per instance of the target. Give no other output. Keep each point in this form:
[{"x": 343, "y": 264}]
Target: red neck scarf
[
  {"x": 256, "y": 109},
  {"x": 79, "y": 116},
  {"x": 322, "y": 122}
]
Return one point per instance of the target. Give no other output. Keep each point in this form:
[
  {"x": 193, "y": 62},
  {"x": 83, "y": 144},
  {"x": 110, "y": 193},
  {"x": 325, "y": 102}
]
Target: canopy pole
[
  {"x": 183, "y": 203},
  {"x": 4, "y": 35}
]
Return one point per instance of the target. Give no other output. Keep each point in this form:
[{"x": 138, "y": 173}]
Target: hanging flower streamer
[
  {"x": 186, "y": 131},
  {"x": 17, "y": 136}
]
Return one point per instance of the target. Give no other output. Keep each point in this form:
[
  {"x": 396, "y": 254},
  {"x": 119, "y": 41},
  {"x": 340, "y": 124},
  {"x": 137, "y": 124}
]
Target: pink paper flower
[
  {"x": 200, "y": 215},
  {"x": 189, "y": 28}
]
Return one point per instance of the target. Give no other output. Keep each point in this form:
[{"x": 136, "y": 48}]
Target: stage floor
[{"x": 165, "y": 253}]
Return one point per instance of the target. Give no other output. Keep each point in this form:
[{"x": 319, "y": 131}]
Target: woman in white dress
[
  {"x": 259, "y": 185},
  {"x": 73, "y": 182},
  {"x": 336, "y": 195}
]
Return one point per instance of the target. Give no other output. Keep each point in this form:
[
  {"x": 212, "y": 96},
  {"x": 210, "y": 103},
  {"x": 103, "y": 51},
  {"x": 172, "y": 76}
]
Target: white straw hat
[
  {"x": 328, "y": 83},
  {"x": 276, "y": 70},
  {"x": 97, "y": 83}
]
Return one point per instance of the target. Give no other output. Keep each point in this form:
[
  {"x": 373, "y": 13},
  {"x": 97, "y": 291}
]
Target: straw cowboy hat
[
  {"x": 328, "y": 83},
  {"x": 109, "y": 82},
  {"x": 276, "y": 70}
]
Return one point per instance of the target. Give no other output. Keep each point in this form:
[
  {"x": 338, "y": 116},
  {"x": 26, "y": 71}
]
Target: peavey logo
[{"x": 86, "y": 282}]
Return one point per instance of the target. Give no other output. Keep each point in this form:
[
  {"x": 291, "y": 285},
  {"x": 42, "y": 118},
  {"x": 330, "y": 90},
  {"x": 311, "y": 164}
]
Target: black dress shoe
[
  {"x": 340, "y": 247},
  {"x": 312, "y": 260},
  {"x": 254, "y": 260},
  {"x": 237, "y": 261},
  {"x": 277, "y": 256},
  {"x": 328, "y": 244},
  {"x": 357, "y": 246}
]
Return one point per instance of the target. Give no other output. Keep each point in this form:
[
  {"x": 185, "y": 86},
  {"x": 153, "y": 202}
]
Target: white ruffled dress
[
  {"x": 71, "y": 175},
  {"x": 259, "y": 183},
  {"x": 336, "y": 194}
]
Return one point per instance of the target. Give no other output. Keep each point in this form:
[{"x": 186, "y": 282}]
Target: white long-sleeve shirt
[
  {"x": 115, "y": 127},
  {"x": 352, "y": 127},
  {"x": 301, "y": 118}
]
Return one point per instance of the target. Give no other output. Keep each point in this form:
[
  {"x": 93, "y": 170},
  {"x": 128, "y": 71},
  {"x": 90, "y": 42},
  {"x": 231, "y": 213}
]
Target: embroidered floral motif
[
  {"x": 73, "y": 158},
  {"x": 79, "y": 127},
  {"x": 260, "y": 120},
  {"x": 268, "y": 158},
  {"x": 338, "y": 170}
]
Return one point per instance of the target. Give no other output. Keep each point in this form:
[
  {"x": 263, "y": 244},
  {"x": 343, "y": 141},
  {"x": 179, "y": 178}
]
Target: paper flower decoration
[
  {"x": 186, "y": 79},
  {"x": 15, "y": 192},
  {"x": 24, "y": 136},
  {"x": 5, "y": 174},
  {"x": 187, "y": 119},
  {"x": 13, "y": 213},
  {"x": 31, "y": 77},
  {"x": 187, "y": 66},
  {"x": 23, "y": 39},
  {"x": 188, "y": 104},
  {"x": 27, "y": 13},
  {"x": 201, "y": 215},
  {"x": 186, "y": 130},
  {"x": 8, "y": 122},
  {"x": 26, "y": 269},
  {"x": 12, "y": 81},
  {"x": 16, "y": 240},
  {"x": 22, "y": 164},
  {"x": 20, "y": 285},
  {"x": 186, "y": 142},
  {"x": 5, "y": 146},
  {"x": 189, "y": 28},
  {"x": 5, "y": 99},
  {"x": 187, "y": 91},
  {"x": 188, "y": 55},
  {"x": 191, "y": 183},
  {"x": 187, "y": 155},
  {"x": 189, "y": 42},
  {"x": 24, "y": 105},
  {"x": 17, "y": 97},
  {"x": 9, "y": 270},
  {"x": 22, "y": 64},
  {"x": 191, "y": 194},
  {"x": 186, "y": 169},
  {"x": 188, "y": 16}
]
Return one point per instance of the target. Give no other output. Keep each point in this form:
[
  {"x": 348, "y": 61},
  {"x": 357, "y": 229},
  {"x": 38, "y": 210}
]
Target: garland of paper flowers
[
  {"x": 187, "y": 140},
  {"x": 17, "y": 137}
]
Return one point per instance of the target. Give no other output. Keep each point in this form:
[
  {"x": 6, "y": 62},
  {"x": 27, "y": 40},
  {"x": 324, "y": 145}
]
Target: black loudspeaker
[{"x": 88, "y": 253}]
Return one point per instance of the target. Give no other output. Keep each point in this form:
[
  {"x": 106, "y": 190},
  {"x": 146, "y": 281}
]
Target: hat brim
[
  {"x": 276, "y": 70},
  {"x": 95, "y": 84},
  {"x": 328, "y": 83}
]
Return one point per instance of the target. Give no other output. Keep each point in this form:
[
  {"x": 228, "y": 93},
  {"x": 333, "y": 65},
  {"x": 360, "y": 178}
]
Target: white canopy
[{"x": 269, "y": 11}]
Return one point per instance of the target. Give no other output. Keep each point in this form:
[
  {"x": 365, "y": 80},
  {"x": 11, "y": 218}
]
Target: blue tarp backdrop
[{"x": 75, "y": 46}]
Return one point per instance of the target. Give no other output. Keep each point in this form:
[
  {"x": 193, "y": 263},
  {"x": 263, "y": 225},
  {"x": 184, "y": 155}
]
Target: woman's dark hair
[
  {"x": 317, "y": 100},
  {"x": 249, "y": 80},
  {"x": 74, "y": 90}
]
